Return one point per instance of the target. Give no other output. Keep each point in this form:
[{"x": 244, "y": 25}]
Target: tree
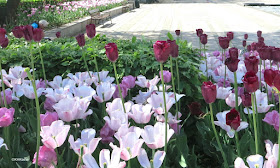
[{"x": 8, "y": 11}]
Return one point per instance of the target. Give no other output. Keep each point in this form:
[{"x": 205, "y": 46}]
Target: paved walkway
[{"x": 216, "y": 17}]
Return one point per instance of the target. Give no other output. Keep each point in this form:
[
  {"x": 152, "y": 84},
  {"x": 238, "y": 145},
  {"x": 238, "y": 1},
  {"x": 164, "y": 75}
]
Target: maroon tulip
[
  {"x": 177, "y": 32},
  {"x": 162, "y": 50},
  {"x": 233, "y": 53},
  {"x": 275, "y": 54},
  {"x": 251, "y": 63},
  {"x": 38, "y": 34},
  {"x": 259, "y": 33},
  {"x": 245, "y": 36},
  {"x": 195, "y": 108},
  {"x": 233, "y": 119},
  {"x": 251, "y": 82},
  {"x": 224, "y": 42},
  {"x": 90, "y": 29},
  {"x": 246, "y": 99},
  {"x": 259, "y": 45},
  {"x": 58, "y": 34},
  {"x": 2, "y": 35},
  {"x": 269, "y": 76},
  {"x": 174, "y": 48},
  {"x": 27, "y": 32},
  {"x": 17, "y": 31},
  {"x": 230, "y": 35},
  {"x": 81, "y": 40},
  {"x": 209, "y": 92},
  {"x": 260, "y": 39},
  {"x": 253, "y": 46},
  {"x": 199, "y": 32},
  {"x": 249, "y": 48},
  {"x": 232, "y": 64},
  {"x": 203, "y": 39},
  {"x": 112, "y": 52},
  {"x": 5, "y": 43},
  {"x": 276, "y": 81},
  {"x": 244, "y": 43},
  {"x": 265, "y": 52}
]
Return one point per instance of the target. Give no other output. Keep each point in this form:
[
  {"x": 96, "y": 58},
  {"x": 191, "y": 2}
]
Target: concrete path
[{"x": 216, "y": 17}]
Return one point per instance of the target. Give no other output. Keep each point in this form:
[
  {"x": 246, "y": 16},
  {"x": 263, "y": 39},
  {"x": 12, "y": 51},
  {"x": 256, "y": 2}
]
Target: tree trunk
[{"x": 8, "y": 12}]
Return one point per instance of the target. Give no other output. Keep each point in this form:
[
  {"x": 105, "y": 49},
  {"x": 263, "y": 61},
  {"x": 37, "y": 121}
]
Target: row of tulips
[
  {"x": 254, "y": 75},
  {"x": 126, "y": 126}
]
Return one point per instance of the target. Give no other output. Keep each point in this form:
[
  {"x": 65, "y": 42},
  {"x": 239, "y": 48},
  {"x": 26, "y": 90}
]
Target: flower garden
[{"x": 92, "y": 101}]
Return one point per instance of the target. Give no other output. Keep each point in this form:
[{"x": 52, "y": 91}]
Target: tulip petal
[
  {"x": 89, "y": 161},
  {"x": 158, "y": 158},
  {"x": 143, "y": 159}
]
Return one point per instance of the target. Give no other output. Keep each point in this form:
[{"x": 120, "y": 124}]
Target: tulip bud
[
  {"x": 251, "y": 82},
  {"x": 259, "y": 33},
  {"x": 232, "y": 64},
  {"x": 2, "y": 35},
  {"x": 224, "y": 42},
  {"x": 203, "y": 39},
  {"x": 174, "y": 48},
  {"x": 166, "y": 76},
  {"x": 233, "y": 119},
  {"x": 251, "y": 63},
  {"x": 209, "y": 92},
  {"x": 81, "y": 40},
  {"x": 199, "y": 32},
  {"x": 162, "y": 50},
  {"x": 90, "y": 29},
  {"x": 177, "y": 32},
  {"x": 230, "y": 35},
  {"x": 244, "y": 43},
  {"x": 249, "y": 48},
  {"x": 38, "y": 34},
  {"x": 245, "y": 36},
  {"x": 233, "y": 53},
  {"x": 246, "y": 99},
  {"x": 27, "y": 32},
  {"x": 17, "y": 31},
  {"x": 260, "y": 39},
  {"x": 253, "y": 46},
  {"x": 112, "y": 52},
  {"x": 58, "y": 34},
  {"x": 5, "y": 43}
]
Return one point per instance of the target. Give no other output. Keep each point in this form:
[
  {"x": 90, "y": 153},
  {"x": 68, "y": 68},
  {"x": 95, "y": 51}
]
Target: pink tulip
[
  {"x": 104, "y": 92},
  {"x": 53, "y": 136},
  {"x": 156, "y": 100},
  {"x": 272, "y": 118},
  {"x": 141, "y": 114},
  {"x": 48, "y": 118},
  {"x": 166, "y": 76},
  {"x": 6, "y": 116},
  {"x": 87, "y": 141},
  {"x": 157, "y": 160},
  {"x": 8, "y": 93},
  {"x": 129, "y": 81},
  {"x": 47, "y": 157},
  {"x": 3, "y": 144},
  {"x": 230, "y": 100},
  {"x": 124, "y": 90},
  {"x": 48, "y": 104}
]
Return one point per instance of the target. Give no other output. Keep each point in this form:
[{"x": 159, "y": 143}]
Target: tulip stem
[
  {"x": 235, "y": 90},
  {"x": 120, "y": 91},
  {"x": 206, "y": 61},
  {"x": 85, "y": 62},
  {"x": 278, "y": 162},
  {"x": 216, "y": 135},
  {"x": 225, "y": 69},
  {"x": 165, "y": 112},
  {"x": 174, "y": 92},
  {"x": 266, "y": 84},
  {"x": 96, "y": 67},
  {"x": 237, "y": 144},
  {"x": 260, "y": 74},
  {"x": 178, "y": 81},
  {"x": 254, "y": 121},
  {"x": 43, "y": 67}
]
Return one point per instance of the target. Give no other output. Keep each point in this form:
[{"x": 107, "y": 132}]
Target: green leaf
[
  {"x": 134, "y": 39},
  {"x": 169, "y": 35}
]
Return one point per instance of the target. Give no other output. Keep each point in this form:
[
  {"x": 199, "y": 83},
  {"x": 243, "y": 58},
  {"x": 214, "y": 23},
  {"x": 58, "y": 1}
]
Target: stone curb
[{"x": 78, "y": 26}]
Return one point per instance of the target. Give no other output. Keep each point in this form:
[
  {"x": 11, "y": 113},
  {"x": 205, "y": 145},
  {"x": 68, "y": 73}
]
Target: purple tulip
[
  {"x": 199, "y": 32},
  {"x": 166, "y": 76},
  {"x": 129, "y": 81},
  {"x": 2, "y": 35},
  {"x": 17, "y": 31},
  {"x": 5, "y": 43},
  {"x": 90, "y": 29},
  {"x": 38, "y": 34},
  {"x": 259, "y": 33},
  {"x": 81, "y": 40},
  {"x": 58, "y": 34},
  {"x": 209, "y": 92},
  {"x": 245, "y": 36},
  {"x": 251, "y": 63},
  {"x": 27, "y": 32},
  {"x": 203, "y": 39},
  {"x": 224, "y": 42},
  {"x": 230, "y": 35},
  {"x": 107, "y": 134},
  {"x": 112, "y": 52},
  {"x": 177, "y": 32},
  {"x": 48, "y": 118},
  {"x": 174, "y": 48}
]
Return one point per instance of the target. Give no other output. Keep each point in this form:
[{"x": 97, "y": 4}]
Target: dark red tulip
[
  {"x": 246, "y": 99},
  {"x": 17, "y": 31},
  {"x": 174, "y": 48},
  {"x": 233, "y": 119},
  {"x": 275, "y": 54},
  {"x": 177, "y": 32},
  {"x": 259, "y": 45},
  {"x": 27, "y": 32},
  {"x": 195, "y": 108},
  {"x": 251, "y": 82},
  {"x": 162, "y": 50},
  {"x": 224, "y": 42},
  {"x": 203, "y": 39},
  {"x": 245, "y": 36},
  {"x": 230, "y": 35},
  {"x": 264, "y": 52},
  {"x": 2, "y": 35},
  {"x": 5, "y": 43},
  {"x": 276, "y": 81},
  {"x": 112, "y": 52},
  {"x": 38, "y": 34},
  {"x": 199, "y": 32},
  {"x": 209, "y": 92},
  {"x": 81, "y": 40},
  {"x": 244, "y": 43},
  {"x": 232, "y": 64},
  {"x": 260, "y": 39},
  {"x": 269, "y": 76},
  {"x": 90, "y": 29},
  {"x": 251, "y": 63},
  {"x": 233, "y": 53},
  {"x": 259, "y": 33},
  {"x": 249, "y": 48},
  {"x": 58, "y": 34},
  {"x": 253, "y": 46}
]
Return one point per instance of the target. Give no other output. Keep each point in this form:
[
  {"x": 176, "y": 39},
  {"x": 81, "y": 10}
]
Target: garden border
[{"x": 78, "y": 26}]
